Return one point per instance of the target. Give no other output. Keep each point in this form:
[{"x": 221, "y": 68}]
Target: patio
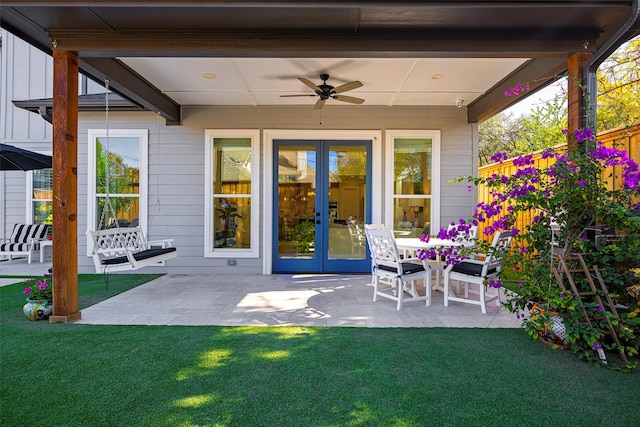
[{"x": 278, "y": 300}]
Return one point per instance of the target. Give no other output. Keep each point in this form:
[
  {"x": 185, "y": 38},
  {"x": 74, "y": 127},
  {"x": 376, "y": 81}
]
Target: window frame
[
  {"x": 143, "y": 194},
  {"x": 209, "y": 250},
  {"x": 390, "y": 196}
]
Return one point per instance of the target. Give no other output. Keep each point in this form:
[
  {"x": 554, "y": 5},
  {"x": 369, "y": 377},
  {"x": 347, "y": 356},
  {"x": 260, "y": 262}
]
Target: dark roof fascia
[
  {"x": 35, "y": 35},
  {"x": 135, "y": 88},
  {"x": 86, "y": 103}
]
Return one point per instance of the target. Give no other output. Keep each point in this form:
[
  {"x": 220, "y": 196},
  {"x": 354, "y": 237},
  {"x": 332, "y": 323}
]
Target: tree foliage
[
  {"x": 543, "y": 127},
  {"x": 619, "y": 88},
  {"x": 498, "y": 134},
  {"x": 540, "y": 129}
]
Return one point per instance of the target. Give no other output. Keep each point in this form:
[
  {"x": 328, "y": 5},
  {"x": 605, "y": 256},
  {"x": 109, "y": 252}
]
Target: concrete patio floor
[{"x": 277, "y": 300}]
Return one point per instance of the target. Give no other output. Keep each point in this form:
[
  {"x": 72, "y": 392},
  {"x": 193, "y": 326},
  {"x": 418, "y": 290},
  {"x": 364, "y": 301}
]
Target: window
[
  {"x": 231, "y": 188},
  {"x": 117, "y": 169},
  {"x": 414, "y": 182},
  {"x": 39, "y": 190}
]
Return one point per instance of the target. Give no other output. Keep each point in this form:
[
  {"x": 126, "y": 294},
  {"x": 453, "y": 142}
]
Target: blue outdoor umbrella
[{"x": 14, "y": 158}]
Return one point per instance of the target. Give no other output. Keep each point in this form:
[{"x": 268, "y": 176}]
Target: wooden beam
[
  {"x": 65, "y": 187},
  {"x": 270, "y": 43},
  {"x": 578, "y": 109}
]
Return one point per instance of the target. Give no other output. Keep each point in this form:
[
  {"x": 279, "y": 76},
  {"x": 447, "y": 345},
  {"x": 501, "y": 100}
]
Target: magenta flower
[
  {"x": 547, "y": 153},
  {"x": 499, "y": 157},
  {"x": 38, "y": 289},
  {"x": 495, "y": 283},
  {"x": 583, "y": 134},
  {"x": 517, "y": 90}
]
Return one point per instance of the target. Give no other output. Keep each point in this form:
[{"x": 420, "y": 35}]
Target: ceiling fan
[{"x": 326, "y": 91}]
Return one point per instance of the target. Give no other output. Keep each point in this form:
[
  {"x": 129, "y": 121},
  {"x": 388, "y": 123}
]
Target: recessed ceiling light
[
  {"x": 437, "y": 76},
  {"x": 209, "y": 76}
]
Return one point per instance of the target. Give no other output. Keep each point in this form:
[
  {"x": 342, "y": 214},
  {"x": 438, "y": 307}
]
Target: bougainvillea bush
[{"x": 575, "y": 200}]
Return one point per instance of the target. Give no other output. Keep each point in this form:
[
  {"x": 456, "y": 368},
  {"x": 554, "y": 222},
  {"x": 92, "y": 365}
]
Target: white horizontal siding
[{"x": 176, "y": 165}]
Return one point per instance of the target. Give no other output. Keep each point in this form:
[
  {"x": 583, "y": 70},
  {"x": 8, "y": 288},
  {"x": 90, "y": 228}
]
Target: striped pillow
[{"x": 23, "y": 233}]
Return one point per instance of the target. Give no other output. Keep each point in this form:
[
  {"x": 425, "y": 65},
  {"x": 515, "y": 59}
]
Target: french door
[{"x": 322, "y": 199}]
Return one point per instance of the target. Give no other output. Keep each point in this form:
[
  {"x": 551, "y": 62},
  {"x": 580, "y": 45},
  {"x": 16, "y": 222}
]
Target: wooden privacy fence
[{"x": 625, "y": 139}]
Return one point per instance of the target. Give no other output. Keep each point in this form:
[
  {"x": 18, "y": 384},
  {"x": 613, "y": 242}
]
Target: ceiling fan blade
[
  {"x": 319, "y": 104},
  {"x": 289, "y": 96},
  {"x": 351, "y": 99},
  {"x": 347, "y": 86},
  {"x": 310, "y": 84}
]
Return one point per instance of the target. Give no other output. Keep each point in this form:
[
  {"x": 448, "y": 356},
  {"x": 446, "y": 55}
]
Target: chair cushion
[
  {"x": 15, "y": 247},
  {"x": 22, "y": 233},
  {"x": 139, "y": 256},
  {"x": 471, "y": 269},
  {"x": 407, "y": 268}
]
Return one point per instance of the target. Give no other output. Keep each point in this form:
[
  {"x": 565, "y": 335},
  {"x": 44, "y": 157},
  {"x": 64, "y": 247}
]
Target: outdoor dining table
[{"x": 413, "y": 244}]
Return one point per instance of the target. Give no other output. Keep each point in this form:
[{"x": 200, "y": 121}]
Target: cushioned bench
[{"x": 25, "y": 239}]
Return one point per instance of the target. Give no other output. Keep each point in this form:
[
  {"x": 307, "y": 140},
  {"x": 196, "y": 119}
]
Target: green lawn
[{"x": 87, "y": 375}]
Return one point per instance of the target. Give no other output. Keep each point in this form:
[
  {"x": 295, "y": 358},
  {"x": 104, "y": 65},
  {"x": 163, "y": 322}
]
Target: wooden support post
[
  {"x": 577, "y": 112},
  {"x": 65, "y": 187}
]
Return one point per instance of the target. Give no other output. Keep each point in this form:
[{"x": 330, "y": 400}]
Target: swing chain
[{"x": 108, "y": 208}]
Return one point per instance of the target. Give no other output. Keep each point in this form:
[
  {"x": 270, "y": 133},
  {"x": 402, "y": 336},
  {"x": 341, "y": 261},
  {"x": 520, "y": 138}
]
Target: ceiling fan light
[
  {"x": 437, "y": 76},
  {"x": 209, "y": 76}
]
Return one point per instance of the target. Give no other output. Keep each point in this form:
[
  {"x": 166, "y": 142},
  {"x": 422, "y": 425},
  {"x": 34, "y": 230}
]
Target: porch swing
[{"x": 117, "y": 248}]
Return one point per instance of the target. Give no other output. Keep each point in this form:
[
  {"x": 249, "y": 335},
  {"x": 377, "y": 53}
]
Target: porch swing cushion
[{"x": 139, "y": 256}]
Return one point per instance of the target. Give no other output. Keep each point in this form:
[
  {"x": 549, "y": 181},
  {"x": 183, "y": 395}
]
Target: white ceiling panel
[
  {"x": 261, "y": 81},
  {"x": 461, "y": 74},
  {"x": 187, "y": 74},
  {"x": 435, "y": 99},
  {"x": 212, "y": 98}
]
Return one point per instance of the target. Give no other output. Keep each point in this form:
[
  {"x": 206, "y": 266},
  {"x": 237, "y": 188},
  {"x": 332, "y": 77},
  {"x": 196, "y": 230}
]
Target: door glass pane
[
  {"x": 296, "y": 201},
  {"x": 413, "y": 162},
  {"x": 347, "y": 193}
]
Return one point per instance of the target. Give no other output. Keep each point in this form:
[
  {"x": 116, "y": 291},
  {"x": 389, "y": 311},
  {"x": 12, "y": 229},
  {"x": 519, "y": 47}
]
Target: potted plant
[
  {"x": 228, "y": 214},
  {"x": 39, "y": 294},
  {"x": 303, "y": 235}
]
